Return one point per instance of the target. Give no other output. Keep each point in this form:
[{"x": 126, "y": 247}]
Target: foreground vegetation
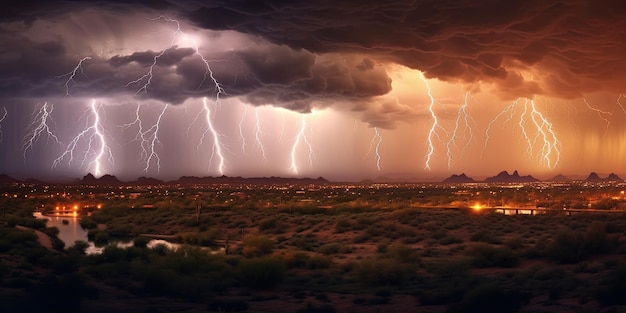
[{"x": 305, "y": 258}]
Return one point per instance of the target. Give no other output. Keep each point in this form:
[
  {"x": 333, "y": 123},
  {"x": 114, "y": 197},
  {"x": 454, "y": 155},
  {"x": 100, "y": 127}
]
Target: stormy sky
[{"x": 344, "y": 90}]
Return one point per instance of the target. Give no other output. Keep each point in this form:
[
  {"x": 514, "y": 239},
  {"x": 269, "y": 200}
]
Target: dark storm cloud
[
  {"x": 578, "y": 45},
  {"x": 325, "y": 52},
  {"x": 147, "y": 58}
]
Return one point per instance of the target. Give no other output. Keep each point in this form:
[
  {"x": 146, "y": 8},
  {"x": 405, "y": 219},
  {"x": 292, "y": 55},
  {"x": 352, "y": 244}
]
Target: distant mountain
[
  {"x": 613, "y": 177},
  {"x": 89, "y": 179},
  {"x": 458, "y": 179},
  {"x": 559, "y": 178},
  {"x": 193, "y": 180},
  {"x": 146, "y": 181},
  {"x": 504, "y": 177},
  {"x": 593, "y": 177},
  {"x": 7, "y": 180}
]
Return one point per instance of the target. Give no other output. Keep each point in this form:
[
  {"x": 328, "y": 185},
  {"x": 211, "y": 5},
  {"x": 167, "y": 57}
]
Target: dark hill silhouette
[
  {"x": 613, "y": 177},
  {"x": 559, "y": 178},
  {"x": 89, "y": 179},
  {"x": 193, "y": 180},
  {"x": 504, "y": 177},
  {"x": 7, "y": 180},
  {"x": 146, "y": 181},
  {"x": 458, "y": 179},
  {"x": 593, "y": 177}
]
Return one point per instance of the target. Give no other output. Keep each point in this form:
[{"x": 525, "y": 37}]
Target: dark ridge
[
  {"x": 593, "y": 177},
  {"x": 107, "y": 179},
  {"x": 146, "y": 181},
  {"x": 504, "y": 177},
  {"x": 459, "y": 179},
  {"x": 7, "y": 180},
  {"x": 560, "y": 178},
  {"x": 613, "y": 177},
  {"x": 193, "y": 180}
]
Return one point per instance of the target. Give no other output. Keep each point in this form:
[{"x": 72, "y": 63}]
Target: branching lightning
[
  {"x": 462, "y": 113},
  {"x": 375, "y": 144},
  {"x": 601, "y": 113},
  {"x": 91, "y": 133},
  {"x": 550, "y": 147},
  {"x": 217, "y": 143},
  {"x": 258, "y": 133},
  {"x": 4, "y": 115},
  {"x": 549, "y": 153},
  {"x": 301, "y": 136},
  {"x": 72, "y": 74},
  {"x": 620, "y": 103},
  {"x": 432, "y": 132},
  {"x": 378, "y": 143},
  {"x": 148, "y": 138},
  {"x": 39, "y": 125},
  {"x": 242, "y": 137}
]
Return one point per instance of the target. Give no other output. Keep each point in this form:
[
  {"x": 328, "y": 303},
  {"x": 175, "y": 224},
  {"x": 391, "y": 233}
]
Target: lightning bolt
[
  {"x": 377, "y": 140},
  {"x": 600, "y": 113},
  {"x": 549, "y": 153},
  {"x": 508, "y": 109},
  {"x": 72, "y": 74},
  {"x": 39, "y": 125},
  {"x": 148, "y": 76},
  {"x": 92, "y": 133},
  {"x": 153, "y": 139},
  {"x": 378, "y": 143},
  {"x": 217, "y": 144},
  {"x": 148, "y": 138},
  {"x": 1, "y": 120},
  {"x": 550, "y": 142},
  {"x": 241, "y": 135},
  {"x": 462, "y": 113},
  {"x": 301, "y": 136},
  {"x": 433, "y": 128},
  {"x": 619, "y": 103},
  {"x": 258, "y": 133}
]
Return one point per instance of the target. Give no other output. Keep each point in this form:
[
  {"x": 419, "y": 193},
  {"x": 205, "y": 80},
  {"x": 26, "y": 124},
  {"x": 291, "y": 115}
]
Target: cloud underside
[{"x": 327, "y": 53}]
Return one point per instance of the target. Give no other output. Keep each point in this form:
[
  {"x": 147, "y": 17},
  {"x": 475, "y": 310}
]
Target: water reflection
[{"x": 70, "y": 231}]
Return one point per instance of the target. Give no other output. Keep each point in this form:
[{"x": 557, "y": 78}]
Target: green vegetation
[{"x": 371, "y": 252}]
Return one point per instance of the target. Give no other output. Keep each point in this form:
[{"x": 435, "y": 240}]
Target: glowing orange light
[
  {"x": 75, "y": 207},
  {"x": 99, "y": 206},
  {"x": 477, "y": 207},
  {"x": 56, "y": 208}
]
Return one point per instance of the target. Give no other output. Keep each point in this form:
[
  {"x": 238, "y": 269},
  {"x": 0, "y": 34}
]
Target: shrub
[
  {"x": 485, "y": 255},
  {"x": 567, "y": 246},
  {"x": 261, "y": 273},
  {"x": 257, "y": 245},
  {"x": 611, "y": 288},
  {"x": 375, "y": 271},
  {"x": 319, "y": 262}
]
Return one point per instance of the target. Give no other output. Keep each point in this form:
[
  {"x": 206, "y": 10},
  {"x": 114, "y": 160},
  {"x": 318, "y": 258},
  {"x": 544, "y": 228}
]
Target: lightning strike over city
[
  {"x": 214, "y": 76},
  {"x": 217, "y": 148},
  {"x": 301, "y": 139},
  {"x": 93, "y": 138},
  {"x": 432, "y": 133},
  {"x": 313, "y": 156}
]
